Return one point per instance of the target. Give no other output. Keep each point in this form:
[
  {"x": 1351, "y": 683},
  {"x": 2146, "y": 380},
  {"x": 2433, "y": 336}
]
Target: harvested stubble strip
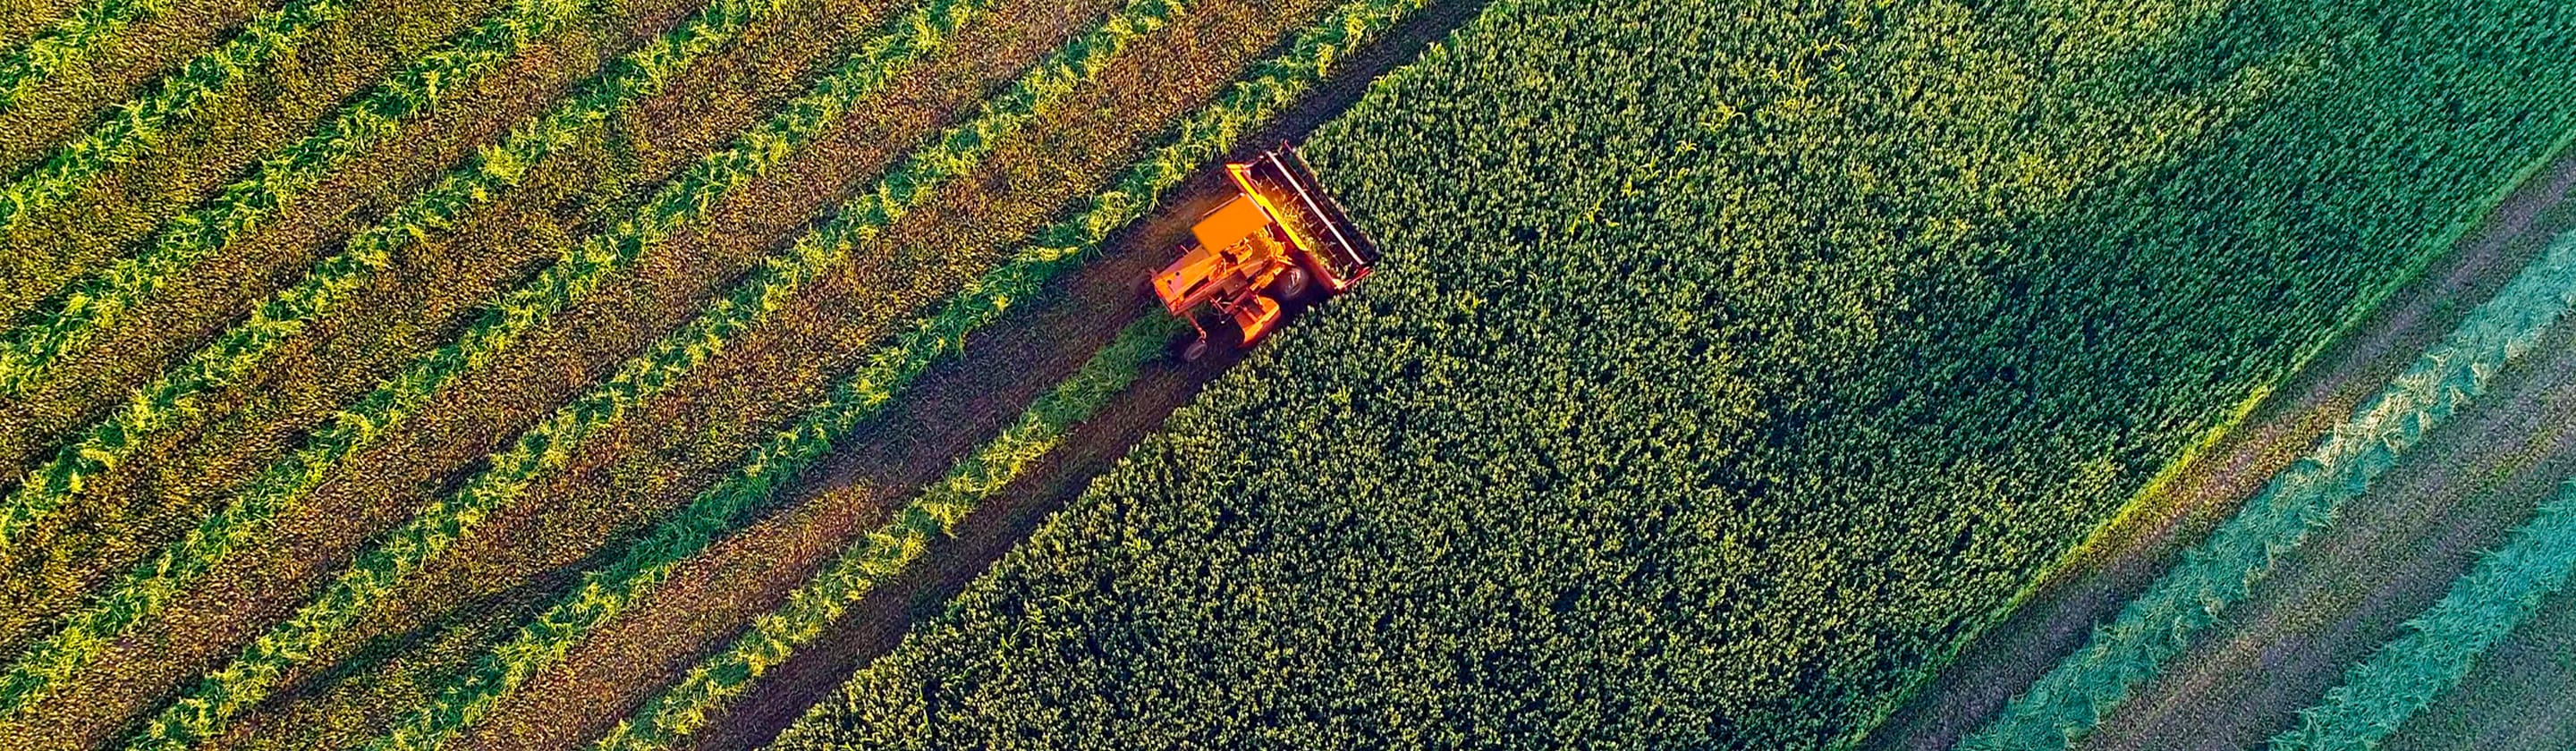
[
  {"x": 68, "y": 42},
  {"x": 137, "y": 124},
  {"x": 708, "y": 688},
  {"x": 2503, "y": 592},
  {"x": 887, "y": 550},
  {"x": 98, "y": 302},
  {"x": 836, "y": 325},
  {"x": 2064, "y": 705},
  {"x": 377, "y": 573},
  {"x": 175, "y": 395}
]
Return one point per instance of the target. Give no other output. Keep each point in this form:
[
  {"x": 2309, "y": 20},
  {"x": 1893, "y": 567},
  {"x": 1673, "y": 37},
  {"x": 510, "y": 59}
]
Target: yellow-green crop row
[
  {"x": 209, "y": 705},
  {"x": 175, "y": 394}
]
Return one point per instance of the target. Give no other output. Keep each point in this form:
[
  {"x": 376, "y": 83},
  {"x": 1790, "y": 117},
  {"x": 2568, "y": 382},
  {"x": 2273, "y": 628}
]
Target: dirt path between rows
[
  {"x": 2514, "y": 699},
  {"x": 2390, "y": 554},
  {"x": 2007, "y": 656},
  {"x": 962, "y": 401}
]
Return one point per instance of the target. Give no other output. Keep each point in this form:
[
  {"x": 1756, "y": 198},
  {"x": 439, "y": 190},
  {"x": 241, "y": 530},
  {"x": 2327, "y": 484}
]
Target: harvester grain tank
[{"x": 1278, "y": 242}]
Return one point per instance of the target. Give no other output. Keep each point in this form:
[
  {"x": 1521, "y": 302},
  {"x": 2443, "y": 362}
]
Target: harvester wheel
[
  {"x": 1196, "y": 348},
  {"x": 1289, "y": 286}
]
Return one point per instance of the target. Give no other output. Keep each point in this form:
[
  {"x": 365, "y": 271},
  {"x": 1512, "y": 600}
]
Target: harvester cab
[{"x": 1279, "y": 241}]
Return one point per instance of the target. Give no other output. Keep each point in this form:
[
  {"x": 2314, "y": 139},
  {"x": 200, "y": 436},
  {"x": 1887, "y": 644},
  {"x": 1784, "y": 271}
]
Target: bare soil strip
[
  {"x": 247, "y": 119},
  {"x": 2068, "y": 603},
  {"x": 2515, "y": 699},
  {"x": 2350, "y": 589},
  {"x": 180, "y": 476}
]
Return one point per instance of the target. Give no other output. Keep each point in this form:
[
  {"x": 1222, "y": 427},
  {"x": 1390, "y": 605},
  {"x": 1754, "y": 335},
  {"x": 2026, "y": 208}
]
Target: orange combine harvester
[{"x": 1277, "y": 241}]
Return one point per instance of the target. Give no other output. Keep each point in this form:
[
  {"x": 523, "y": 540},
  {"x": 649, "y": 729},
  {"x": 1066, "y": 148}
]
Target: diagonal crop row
[
  {"x": 99, "y": 301},
  {"x": 710, "y": 687},
  {"x": 141, "y": 122},
  {"x": 2064, "y": 705},
  {"x": 886, "y": 551},
  {"x": 175, "y": 394},
  {"x": 279, "y": 179},
  {"x": 209, "y": 705},
  {"x": 2482, "y": 607},
  {"x": 69, "y": 42}
]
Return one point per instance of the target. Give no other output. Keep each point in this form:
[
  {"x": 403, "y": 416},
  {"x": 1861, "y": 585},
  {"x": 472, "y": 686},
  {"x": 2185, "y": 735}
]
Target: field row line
[
  {"x": 69, "y": 42},
  {"x": 139, "y": 123},
  {"x": 2496, "y": 596},
  {"x": 383, "y": 569},
  {"x": 152, "y": 585},
  {"x": 2064, "y": 705},
  {"x": 1199, "y": 139},
  {"x": 97, "y": 302}
]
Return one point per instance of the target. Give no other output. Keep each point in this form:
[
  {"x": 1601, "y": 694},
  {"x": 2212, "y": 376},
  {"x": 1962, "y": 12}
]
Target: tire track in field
[
  {"x": 2003, "y": 659},
  {"x": 2387, "y": 557}
]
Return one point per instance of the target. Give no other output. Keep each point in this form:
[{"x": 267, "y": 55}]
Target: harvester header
[{"x": 1280, "y": 241}]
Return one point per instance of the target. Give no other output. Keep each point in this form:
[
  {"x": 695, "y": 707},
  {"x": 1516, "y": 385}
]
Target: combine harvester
[{"x": 1276, "y": 242}]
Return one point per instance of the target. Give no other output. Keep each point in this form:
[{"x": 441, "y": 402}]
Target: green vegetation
[
  {"x": 1706, "y": 393},
  {"x": 2500, "y": 594},
  {"x": 379, "y": 571},
  {"x": 233, "y": 355},
  {"x": 279, "y": 179},
  {"x": 139, "y": 123},
  {"x": 2064, "y": 704},
  {"x": 69, "y": 42},
  {"x": 1202, "y": 137}
]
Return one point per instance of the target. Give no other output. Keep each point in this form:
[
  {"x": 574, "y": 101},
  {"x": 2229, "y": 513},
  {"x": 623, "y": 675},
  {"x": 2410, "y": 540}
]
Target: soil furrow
[
  {"x": 2390, "y": 555},
  {"x": 180, "y": 476},
  {"x": 252, "y": 116},
  {"x": 2007, "y": 656}
]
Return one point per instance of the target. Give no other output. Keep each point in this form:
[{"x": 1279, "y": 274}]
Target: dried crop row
[
  {"x": 2063, "y": 706},
  {"x": 205, "y": 708},
  {"x": 73, "y": 214},
  {"x": 1839, "y": 323},
  {"x": 638, "y": 75},
  {"x": 791, "y": 127},
  {"x": 88, "y": 55},
  {"x": 273, "y": 188},
  {"x": 408, "y": 467}
]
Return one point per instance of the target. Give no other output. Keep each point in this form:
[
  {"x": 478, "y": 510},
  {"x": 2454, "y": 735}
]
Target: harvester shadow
[{"x": 1006, "y": 365}]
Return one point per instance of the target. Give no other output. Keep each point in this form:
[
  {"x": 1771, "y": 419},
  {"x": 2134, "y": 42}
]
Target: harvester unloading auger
[{"x": 1277, "y": 241}]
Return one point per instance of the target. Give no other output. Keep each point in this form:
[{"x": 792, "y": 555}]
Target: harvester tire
[
  {"x": 1289, "y": 286},
  {"x": 1195, "y": 348}
]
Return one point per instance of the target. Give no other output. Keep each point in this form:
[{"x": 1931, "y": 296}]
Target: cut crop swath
[
  {"x": 99, "y": 302},
  {"x": 886, "y": 551},
  {"x": 249, "y": 678},
  {"x": 2064, "y": 705},
  {"x": 69, "y": 42},
  {"x": 152, "y": 585},
  {"x": 333, "y": 282},
  {"x": 276, "y": 182},
  {"x": 137, "y": 124}
]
